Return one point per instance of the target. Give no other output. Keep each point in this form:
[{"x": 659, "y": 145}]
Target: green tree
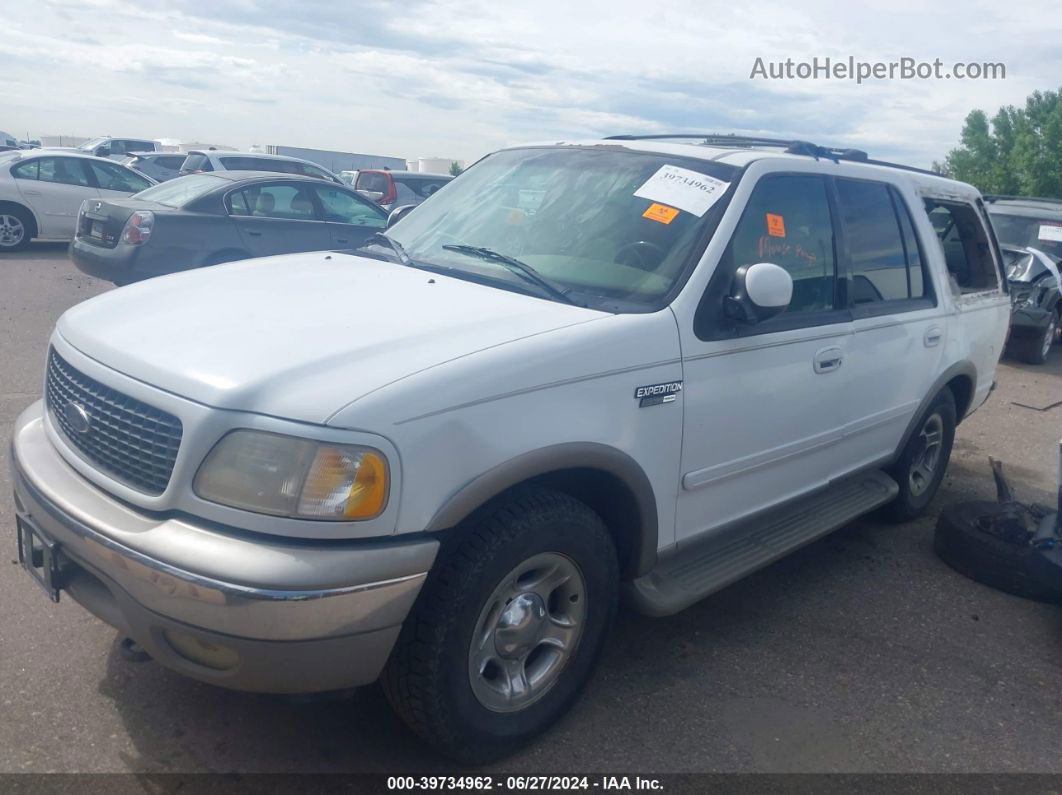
[
  {"x": 455, "y": 168},
  {"x": 1018, "y": 151}
]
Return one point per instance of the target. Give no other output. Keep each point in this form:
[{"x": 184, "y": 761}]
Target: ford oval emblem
[{"x": 77, "y": 417}]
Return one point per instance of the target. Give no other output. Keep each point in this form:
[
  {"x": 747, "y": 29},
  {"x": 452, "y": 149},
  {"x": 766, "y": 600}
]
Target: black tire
[
  {"x": 912, "y": 500},
  {"x": 1034, "y": 349},
  {"x": 24, "y": 218},
  {"x": 428, "y": 679},
  {"x": 990, "y": 560}
]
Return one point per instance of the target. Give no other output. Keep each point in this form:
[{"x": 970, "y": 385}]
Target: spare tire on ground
[{"x": 990, "y": 542}]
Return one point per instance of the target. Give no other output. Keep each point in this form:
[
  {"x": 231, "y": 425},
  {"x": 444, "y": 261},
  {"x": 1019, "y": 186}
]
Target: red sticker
[{"x": 775, "y": 225}]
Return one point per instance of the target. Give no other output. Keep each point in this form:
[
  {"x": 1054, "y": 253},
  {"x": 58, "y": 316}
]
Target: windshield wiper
[
  {"x": 391, "y": 243},
  {"x": 515, "y": 265}
]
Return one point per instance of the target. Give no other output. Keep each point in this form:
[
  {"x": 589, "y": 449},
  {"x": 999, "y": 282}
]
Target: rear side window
[
  {"x": 30, "y": 170},
  {"x": 966, "y": 245},
  {"x": 196, "y": 162},
  {"x": 64, "y": 170},
  {"x": 787, "y": 222},
  {"x": 171, "y": 163},
  {"x": 290, "y": 202},
  {"x": 886, "y": 264}
]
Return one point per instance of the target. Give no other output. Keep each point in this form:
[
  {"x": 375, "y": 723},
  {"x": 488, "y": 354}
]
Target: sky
[{"x": 461, "y": 78}]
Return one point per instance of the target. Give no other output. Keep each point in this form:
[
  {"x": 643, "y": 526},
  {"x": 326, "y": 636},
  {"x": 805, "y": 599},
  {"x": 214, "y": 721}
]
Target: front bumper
[{"x": 278, "y": 621}]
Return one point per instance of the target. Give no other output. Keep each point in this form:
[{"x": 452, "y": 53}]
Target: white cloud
[{"x": 461, "y": 77}]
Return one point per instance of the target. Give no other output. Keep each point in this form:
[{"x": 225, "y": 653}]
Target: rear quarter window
[{"x": 196, "y": 162}]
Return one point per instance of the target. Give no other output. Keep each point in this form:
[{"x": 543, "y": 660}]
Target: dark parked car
[
  {"x": 1030, "y": 235},
  {"x": 160, "y": 166},
  {"x": 391, "y": 189},
  {"x": 1034, "y": 295},
  {"x": 207, "y": 219}
]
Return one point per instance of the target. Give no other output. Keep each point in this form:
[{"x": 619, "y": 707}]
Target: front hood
[{"x": 300, "y": 336}]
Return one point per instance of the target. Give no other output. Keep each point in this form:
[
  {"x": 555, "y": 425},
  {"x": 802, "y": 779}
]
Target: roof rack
[
  {"x": 792, "y": 147},
  {"x": 992, "y": 197}
]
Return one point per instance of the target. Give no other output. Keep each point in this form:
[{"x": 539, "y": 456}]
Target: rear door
[
  {"x": 54, "y": 188},
  {"x": 279, "y": 217},
  {"x": 351, "y": 218},
  {"x": 899, "y": 326}
]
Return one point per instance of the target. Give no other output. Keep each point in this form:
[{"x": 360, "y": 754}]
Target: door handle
[
  {"x": 828, "y": 359},
  {"x": 31, "y": 193},
  {"x": 932, "y": 336},
  {"x": 342, "y": 240},
  {"x": 254, "y": 234}
]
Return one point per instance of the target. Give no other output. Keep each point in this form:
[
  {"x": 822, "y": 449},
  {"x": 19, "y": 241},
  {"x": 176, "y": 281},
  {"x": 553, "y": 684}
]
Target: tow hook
[{"x": 132, "y": 651}]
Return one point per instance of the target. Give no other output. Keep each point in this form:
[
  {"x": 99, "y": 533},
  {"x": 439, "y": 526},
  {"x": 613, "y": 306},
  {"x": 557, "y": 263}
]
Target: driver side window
[{"x": 787, "y": 222}]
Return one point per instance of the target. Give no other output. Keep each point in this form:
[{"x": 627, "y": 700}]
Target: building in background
[
  {"x": 335, "y": 161},
  {"x": 432, "y": 165},
  {"x": 62, "y": 140}
]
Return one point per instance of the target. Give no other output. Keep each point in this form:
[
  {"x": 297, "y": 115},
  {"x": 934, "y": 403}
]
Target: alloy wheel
[{"x": 526, "y": 632}]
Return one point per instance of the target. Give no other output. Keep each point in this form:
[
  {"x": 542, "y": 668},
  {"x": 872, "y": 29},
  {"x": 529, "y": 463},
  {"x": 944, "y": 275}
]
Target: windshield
[
  {"x": 179, "y": 192},
  {"x": 612, "y": 228},
  {"x": 1020, "y": 230},
  {"x": 88, "y": 146}
]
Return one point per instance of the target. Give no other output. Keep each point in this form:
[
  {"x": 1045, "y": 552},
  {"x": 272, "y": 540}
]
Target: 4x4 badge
[{"x": 655, "y": 394}]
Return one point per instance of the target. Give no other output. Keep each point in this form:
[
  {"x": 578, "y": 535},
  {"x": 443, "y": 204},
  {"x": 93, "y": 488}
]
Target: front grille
[{"x": 129, "y": 440}]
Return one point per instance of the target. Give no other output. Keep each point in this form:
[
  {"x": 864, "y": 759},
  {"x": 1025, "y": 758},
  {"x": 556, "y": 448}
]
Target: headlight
[{"x": 287, "y": 476}]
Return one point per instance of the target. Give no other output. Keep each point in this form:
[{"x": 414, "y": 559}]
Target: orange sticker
[
  {"x": 775, "y": 225},
  {"x": 660, "y": 213}
]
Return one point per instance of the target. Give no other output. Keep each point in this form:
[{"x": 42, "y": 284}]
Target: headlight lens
[{"x": 288, "y": 476}]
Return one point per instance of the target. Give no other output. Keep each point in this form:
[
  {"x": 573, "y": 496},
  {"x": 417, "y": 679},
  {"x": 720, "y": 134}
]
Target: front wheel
[
  {"x": 508, "y": 627},
  {"x": 920, "y": 468}
]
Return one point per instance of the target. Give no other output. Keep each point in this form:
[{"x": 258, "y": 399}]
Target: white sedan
[{"x": 41, "y": 192}]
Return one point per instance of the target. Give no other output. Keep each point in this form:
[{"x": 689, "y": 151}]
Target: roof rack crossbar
[{"x": 793, "y": 147}]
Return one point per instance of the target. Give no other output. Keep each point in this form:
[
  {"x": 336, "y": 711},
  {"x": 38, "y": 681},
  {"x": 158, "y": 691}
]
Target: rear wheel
[
  {"x": 508, "y": 627},
  {"x": 920, "y": 467},
  {"x": 16, "y": 229}
]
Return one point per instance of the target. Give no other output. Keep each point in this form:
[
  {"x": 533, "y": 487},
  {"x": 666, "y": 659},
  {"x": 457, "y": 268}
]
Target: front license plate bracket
[{"x": 39, "y": 556}]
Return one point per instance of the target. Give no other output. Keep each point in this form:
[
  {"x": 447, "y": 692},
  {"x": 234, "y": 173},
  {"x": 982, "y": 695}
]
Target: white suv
[{"x": 618, "y": 367}]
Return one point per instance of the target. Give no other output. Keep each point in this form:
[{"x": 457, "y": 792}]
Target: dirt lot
[{"x": 862, "y": 652}]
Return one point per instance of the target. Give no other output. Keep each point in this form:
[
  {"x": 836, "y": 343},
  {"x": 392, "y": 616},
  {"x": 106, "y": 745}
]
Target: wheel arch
[
  {"x": 7, "y": 204},
  {"x": 608, "y": 480},
  {"x": 961, "y": 380}
]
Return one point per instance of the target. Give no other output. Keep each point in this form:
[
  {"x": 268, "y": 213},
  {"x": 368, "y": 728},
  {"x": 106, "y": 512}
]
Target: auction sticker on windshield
[
  {"x": 1051, "y": 232},
  {"x": 679, "y": 187}
]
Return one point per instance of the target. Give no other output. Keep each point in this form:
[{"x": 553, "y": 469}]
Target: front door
[
  {"x": 765, "y": 404},
  {"x": 278, "y": 218},
  {"x": 900, "y": 330},
  {"x": 351, "y": 218}
]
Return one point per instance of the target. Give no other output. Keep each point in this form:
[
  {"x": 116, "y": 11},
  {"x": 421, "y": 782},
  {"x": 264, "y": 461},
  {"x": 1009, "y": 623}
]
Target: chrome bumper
[{"x": 292, "y": 616}]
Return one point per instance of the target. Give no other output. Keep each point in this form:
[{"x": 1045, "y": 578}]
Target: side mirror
[
  {"x": 760, "y": 292},
  {"x": 398, "y": 214}
]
